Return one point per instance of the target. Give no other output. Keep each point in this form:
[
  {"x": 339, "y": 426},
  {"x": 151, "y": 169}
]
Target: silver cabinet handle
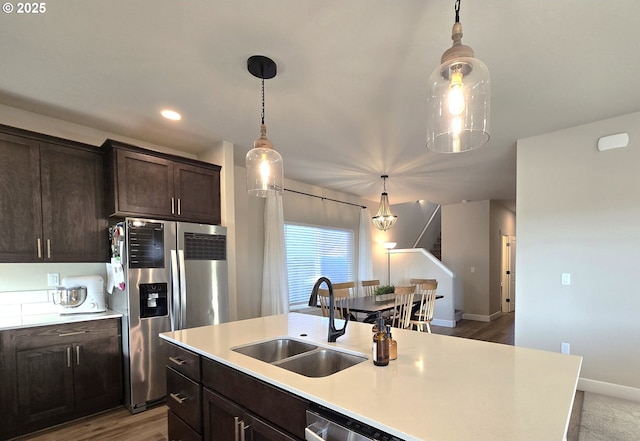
[
  {"x": 179, "y": 210},
  {"x": 236, "y": 423},
  {"x": 66, "y": 334},
  {"x": 177, "y": 361},
  {"x": 178, "y": 398},
  {"x": 48, "y": 248},
  {"x": 68, "y": 356},
  {"x": 173, "y": 210},
  {"x": 78, "y": 355},
  {"x": 242, "y": 430},
  {"x": 39, "y": 248},
  {"x": 314, "y": 433}
]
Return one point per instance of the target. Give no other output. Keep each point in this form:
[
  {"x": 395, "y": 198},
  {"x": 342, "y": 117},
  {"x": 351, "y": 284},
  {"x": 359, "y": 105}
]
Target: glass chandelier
[
  {"x": 384, "y": 219},
  {"x": 265, "y": 174},
  {"x": 458, "y": 98}
]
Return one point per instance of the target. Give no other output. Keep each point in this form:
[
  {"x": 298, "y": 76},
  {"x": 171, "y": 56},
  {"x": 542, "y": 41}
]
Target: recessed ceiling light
[{"x": 171, "y": 114}]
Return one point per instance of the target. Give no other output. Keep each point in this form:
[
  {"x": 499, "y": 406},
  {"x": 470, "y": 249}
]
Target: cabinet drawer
[
  {"x": 183, "y": 361},
  {"x": 184, "y": 398},
  {"x": 275, "y": 405},
  {"x": 78, "y": 332},
  {"x": 178, "y": 430}
]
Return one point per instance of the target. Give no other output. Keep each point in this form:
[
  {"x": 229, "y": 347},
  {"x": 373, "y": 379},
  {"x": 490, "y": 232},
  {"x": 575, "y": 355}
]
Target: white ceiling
[{"x": 349, "y": 101}]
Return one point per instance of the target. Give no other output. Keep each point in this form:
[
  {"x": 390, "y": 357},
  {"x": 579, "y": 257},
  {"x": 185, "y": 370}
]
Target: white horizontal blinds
[{"x": 313, "y": 252}]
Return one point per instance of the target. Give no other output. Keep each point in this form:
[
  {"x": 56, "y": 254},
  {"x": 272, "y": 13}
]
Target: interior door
[{"x": 507, "y": 283}]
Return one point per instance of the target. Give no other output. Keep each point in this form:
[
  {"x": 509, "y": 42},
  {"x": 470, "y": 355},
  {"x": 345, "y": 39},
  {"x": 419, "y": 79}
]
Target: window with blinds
[{"x": 313, "y": 252}]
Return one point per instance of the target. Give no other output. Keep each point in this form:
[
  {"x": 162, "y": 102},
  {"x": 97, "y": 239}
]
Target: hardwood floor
[
  {"x": 151, "y": 425},
  {"x": 497, "y": 331},
  {"x": 113, "y": 425}
]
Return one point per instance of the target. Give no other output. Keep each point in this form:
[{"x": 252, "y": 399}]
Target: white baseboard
[
  {"x": 609, "y": 389},
  {"x": 445, "y": 323},
  {"x": 481, "y": 317}
]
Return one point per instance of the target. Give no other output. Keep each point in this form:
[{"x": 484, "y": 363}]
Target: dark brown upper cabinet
[
  {"x": 145, "y": 183},
  {"x": 51, "y": 199}
]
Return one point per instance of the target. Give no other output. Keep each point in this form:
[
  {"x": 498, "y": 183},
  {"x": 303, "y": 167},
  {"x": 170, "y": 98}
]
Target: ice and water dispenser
[{"x": 153, "y": 299}]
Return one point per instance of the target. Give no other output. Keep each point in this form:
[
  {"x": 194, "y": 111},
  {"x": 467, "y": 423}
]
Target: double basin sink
[{"x": 300, "y": 357}]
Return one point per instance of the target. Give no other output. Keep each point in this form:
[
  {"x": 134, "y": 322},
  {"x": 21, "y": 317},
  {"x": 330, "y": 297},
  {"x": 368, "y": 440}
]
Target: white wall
[
  {"x": 579, "y": 213},
  {"x": 472, "y": 249},
  {"x": 465, "y": 250},
  {"x": 412, "y": 217}
]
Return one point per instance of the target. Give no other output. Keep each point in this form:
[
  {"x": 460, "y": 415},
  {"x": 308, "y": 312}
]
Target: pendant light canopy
[
  {"x": 264, "y": 165},
  {"x": 458, "y": 100},
  {"x": 384, "y": 219}
]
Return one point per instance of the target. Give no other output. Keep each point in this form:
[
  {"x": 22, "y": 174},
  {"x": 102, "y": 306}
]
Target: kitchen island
[{"x": 439, "y": 388}]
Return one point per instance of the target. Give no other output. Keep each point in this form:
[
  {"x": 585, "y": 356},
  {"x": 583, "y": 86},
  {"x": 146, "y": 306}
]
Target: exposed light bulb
[
  {"x": 265, "y": 172},
  {"x": 456, "y": 94}
]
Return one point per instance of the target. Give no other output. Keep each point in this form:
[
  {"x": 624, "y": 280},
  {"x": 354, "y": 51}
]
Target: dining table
[{"x": 371, "y": 305}]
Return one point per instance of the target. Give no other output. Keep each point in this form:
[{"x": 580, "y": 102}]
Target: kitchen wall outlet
[
  {"x": 566, "y": 278},
  {"x": 565, "y": 348},
  {"x": 473, "y": 269},
  {"x": 53, "y": 279}
]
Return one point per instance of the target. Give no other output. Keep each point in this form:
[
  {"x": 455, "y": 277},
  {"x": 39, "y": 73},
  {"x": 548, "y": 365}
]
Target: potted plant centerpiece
[{"x": 382, "y": 293}]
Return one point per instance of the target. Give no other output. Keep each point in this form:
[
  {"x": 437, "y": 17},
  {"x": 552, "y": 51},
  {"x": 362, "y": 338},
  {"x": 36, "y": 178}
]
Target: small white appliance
[{"x": 81, "y": 295}]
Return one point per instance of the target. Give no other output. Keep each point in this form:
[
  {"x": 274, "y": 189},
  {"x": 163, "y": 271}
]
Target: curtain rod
[{"x": 323, "y": 198}]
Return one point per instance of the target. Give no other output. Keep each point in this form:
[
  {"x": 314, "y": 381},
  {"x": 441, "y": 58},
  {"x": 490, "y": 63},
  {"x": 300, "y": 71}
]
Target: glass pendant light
[
  {"x": 384, "y": 219},
  {"x": 264, "y": 165},
  {"x": 458, "y": 99}
]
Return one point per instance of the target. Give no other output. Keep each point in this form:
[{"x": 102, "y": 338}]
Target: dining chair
[
  {"x": 369, "y": 287},
  {"x": 417, "y": 283},
  {"x": 402, "y": 307},
  {"x": 341, "y": 294},
  {"x": 423, "y": 315}
]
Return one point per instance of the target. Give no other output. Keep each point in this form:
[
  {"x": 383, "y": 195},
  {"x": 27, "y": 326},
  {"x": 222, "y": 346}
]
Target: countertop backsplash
[{"x": 14, "y": 305}]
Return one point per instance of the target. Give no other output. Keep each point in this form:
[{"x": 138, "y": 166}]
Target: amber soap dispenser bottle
[{"x": 381, "y": 345}]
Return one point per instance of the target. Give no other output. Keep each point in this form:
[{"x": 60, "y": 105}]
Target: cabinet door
[
  {"x": 8, "y": 384},
  {"x": 97, "y": 374},
  {"x": 20, "y": 200},
  {"x": 72, "y": 205},
  {"x": 45, "y": 383},
  {"x": 144, "y": 185},
  {"x": 224, "y": 421},
  {"x": 197, "y": 190},
  {"x": 178, "y": 430}
]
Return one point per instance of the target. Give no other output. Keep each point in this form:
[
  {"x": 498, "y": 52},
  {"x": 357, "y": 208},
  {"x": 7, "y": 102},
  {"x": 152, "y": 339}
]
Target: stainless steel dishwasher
[{"x": 326, "y": 425}]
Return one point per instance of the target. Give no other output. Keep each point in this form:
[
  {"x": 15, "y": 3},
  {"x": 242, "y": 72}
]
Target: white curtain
[
  {"x": 365, "y": 259},
  {"x": 275, "y": 285}
]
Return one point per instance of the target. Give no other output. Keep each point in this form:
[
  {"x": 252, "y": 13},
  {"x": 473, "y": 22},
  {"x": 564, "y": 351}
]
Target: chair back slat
[
  {"x": 369, "y": 286},
  {"x": 402, "y": 308},
  {"x": 424, "y": 314}
]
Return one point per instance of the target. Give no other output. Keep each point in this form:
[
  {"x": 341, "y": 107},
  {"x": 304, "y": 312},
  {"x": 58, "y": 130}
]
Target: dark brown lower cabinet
[
  {"x": 225, "y": 421},
  {"x": 45, "y": 383},
  {"x": 178, "y": 430},
  {"x": 210, "y": 401},
  {"x": 52, "y": 374}
]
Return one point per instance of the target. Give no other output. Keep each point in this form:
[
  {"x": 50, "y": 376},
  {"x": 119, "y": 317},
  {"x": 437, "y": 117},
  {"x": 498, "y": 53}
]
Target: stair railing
[{"x": 435, "y": 211}]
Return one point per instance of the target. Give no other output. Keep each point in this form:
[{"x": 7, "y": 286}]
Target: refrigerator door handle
[
  {"x": 174, "y": 305},
  {"x": 183, "y": 289}
]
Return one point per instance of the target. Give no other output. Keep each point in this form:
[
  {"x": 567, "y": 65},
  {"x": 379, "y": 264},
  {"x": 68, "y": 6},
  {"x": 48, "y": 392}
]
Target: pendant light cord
[
  {"x": 263, "y": 99},
  {"x": 457, "y": 11}
]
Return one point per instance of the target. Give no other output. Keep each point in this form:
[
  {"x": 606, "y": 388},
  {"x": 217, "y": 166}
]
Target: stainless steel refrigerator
[{"x": 174, "y": 277}]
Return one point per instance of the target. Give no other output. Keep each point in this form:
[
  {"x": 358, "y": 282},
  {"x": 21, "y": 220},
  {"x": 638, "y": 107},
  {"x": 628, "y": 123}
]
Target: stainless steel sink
[
  {"x": 302, "y": 358},
  {"x": 275, "y": 350},
  {"x": 321, "y": 362}
]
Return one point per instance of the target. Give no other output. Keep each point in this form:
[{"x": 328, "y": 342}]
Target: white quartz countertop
[
  {"x": 440, "y": 388},
  {"x": 28, "y": 321}
]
